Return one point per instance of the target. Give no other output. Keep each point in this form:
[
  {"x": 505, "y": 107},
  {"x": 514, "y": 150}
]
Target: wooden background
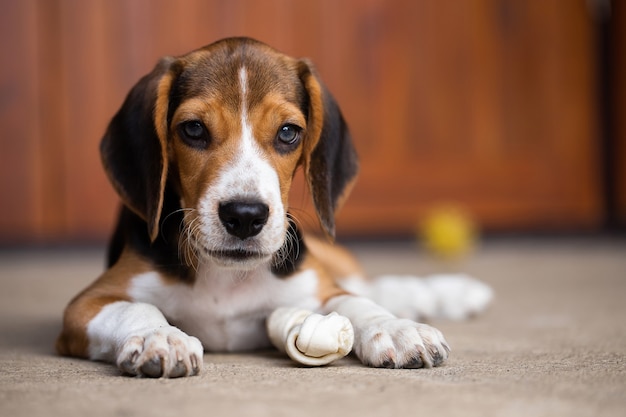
[{"x": 489, "y": 104}]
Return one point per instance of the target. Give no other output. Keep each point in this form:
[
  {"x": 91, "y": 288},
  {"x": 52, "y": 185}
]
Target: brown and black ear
[
  {"x": 134, "y": 147},
  {"x": 330, "y": 159}
]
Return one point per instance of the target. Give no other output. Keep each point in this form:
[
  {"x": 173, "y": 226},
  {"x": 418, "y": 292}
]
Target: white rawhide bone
[{"x": 309, "y": 338}]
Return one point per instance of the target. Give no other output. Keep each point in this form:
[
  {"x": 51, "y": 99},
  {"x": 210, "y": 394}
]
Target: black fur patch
[
  {"x": 289, "y": 258},
  {"x": 132, "y": 230}
]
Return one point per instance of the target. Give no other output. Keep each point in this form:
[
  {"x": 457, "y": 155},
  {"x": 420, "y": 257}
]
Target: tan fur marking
[
  {"x": 327, "y": 286},
  {"x": 160, "y": 122},
  {"x": 110, "y": 287},
  {"x": 316, "y": 118},
  {"x": 198, "y": 169},
  {"x": 267, "y": 118},
  {"x": 73, "y": 339},
  {"x": 344, "y": 195},
  {"x": 316, "y": 125},
  {"x": 337, "y": 260}
]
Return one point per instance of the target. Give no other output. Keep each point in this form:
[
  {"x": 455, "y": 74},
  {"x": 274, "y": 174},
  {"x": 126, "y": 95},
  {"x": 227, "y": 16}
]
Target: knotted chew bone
[{"x": 309, "y": 338}]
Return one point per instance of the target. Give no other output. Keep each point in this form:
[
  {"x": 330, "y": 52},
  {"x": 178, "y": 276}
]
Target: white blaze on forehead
[
  {"x": 243, "y": 82},
  {"x": 246, "y": 131},
  {"x": 256, "y": 176},
  {"x": 248, "y": 177}
]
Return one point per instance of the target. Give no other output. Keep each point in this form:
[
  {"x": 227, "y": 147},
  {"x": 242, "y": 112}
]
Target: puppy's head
[{"x": 224, "y": 128}]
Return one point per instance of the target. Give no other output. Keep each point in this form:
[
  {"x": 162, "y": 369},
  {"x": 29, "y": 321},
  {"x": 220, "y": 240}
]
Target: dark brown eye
[
  {"x": 289, "y": 134},
  {"x": 194, "y": 134}
]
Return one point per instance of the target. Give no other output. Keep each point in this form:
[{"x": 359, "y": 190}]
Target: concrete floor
[{"x": 552, "y": 344}]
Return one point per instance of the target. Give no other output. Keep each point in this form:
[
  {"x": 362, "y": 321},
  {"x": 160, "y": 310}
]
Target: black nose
[{"x": 243, "y": 219}]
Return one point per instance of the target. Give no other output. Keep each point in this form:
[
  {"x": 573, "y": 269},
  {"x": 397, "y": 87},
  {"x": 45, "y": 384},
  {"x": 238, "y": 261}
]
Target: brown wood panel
[
  {"x": 86, "y": 66},
  {"x": 487, "y": 103},
  {"x": 50, "y": 136},
  {"x": 618, "y": 85},
  {"x": 19, "y": 218}
]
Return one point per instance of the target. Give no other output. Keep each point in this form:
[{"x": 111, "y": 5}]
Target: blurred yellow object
[{"x": 448, "y": 232}]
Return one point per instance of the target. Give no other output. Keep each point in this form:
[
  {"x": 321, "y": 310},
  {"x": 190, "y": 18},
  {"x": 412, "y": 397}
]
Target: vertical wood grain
[
  {"x": 19, "y": 219},
  {"x": 487, "y": 103},
  {"x": 618, "y": 87}
]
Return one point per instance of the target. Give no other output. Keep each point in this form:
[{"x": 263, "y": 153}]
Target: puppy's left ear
[{"x": 330, "y": 160}]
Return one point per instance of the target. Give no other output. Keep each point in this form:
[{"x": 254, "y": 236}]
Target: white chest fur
[{"x": 226, "y": 309}]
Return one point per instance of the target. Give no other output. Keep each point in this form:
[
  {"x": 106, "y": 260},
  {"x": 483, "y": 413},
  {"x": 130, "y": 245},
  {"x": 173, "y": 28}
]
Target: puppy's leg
[
  {"x": 382, "y": 340},
  {"x": 140, "y": 341},
  {"x": 447, "y": 296},
  {"x": 134, "y": 336}
]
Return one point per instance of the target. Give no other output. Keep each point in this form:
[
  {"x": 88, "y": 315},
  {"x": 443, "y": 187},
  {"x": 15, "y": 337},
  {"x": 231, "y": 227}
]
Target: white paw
[
  {"x": 447, "y": 296},
  {"x": 163, "y": 352},
  {"x": 405, "y": 296},
  {"x": 400, "y": 343},
  {"x": 459, "y": 296}
]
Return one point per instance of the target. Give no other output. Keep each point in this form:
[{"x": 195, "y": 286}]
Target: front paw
[
  {"x": 400, "y": 343},
  {"x": 163, "y": 352}
]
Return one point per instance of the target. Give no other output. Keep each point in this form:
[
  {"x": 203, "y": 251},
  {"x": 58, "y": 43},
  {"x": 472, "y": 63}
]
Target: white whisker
[{"x": 187, "y": 250}]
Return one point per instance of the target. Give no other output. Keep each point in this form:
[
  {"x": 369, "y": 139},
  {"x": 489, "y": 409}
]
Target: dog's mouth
[
  {"x": 229, "y": 252},
  {"x": 233, "y": 258},
  {"x": 235, "y": 254},
  {"x": 248, "y": 255}
]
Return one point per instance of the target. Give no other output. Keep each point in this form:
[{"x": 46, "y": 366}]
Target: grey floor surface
[{"x": 552, "y": 344}]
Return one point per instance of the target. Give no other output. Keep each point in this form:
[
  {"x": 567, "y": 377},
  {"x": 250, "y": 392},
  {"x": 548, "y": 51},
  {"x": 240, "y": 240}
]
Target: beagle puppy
[{"x": 202, "y": 154}]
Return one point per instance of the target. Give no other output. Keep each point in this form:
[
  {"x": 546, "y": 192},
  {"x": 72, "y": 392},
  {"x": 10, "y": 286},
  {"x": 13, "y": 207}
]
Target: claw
[
  {"x": 128, "y": 366},
  {"x": 389, "y": 364},
  {"x": 195, "y": 368},
  {"x": 415, "y": 362},
  {"x": 153, "y": 368},
  {"x": 179, "y": 370}
]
